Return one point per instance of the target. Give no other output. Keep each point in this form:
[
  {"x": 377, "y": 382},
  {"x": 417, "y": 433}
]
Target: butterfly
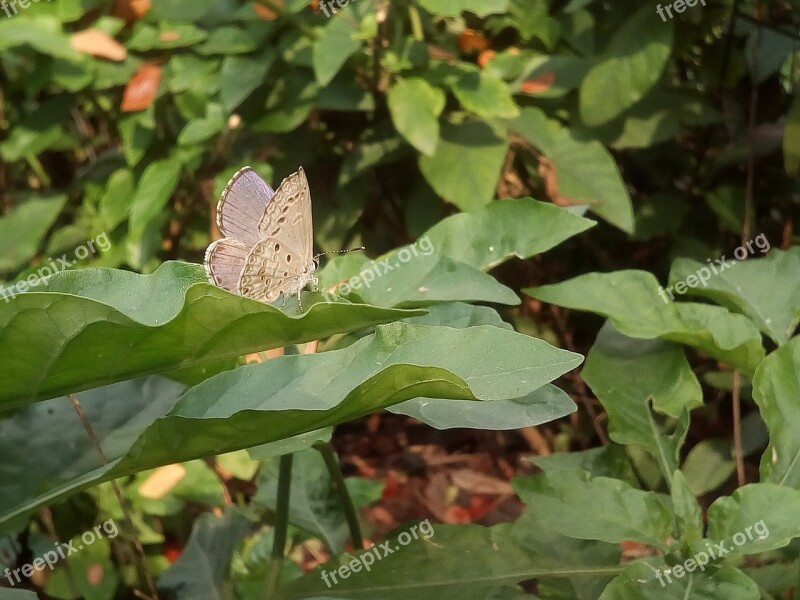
[{"x": 267, "y": 251}]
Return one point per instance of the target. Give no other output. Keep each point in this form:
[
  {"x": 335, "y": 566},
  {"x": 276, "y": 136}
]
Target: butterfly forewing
[
  {"x": 243, "y": 205},
  {"x": 272, "y": 268},
  {"x": 288, "y": 217}
]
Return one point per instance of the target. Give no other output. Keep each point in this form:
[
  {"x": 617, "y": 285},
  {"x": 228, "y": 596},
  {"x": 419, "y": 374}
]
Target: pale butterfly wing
[
  {"x": 272, "y": 268},
  {"x": 243, "y": 205},
  {"x": 224, "y": 263},
  {"x": 288, "y": 217}
]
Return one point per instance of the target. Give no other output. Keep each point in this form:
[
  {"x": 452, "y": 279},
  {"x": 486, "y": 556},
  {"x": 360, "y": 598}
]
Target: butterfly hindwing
[
  {"x": 242, "y": 206},
  {"x": 224, "y": 263}
]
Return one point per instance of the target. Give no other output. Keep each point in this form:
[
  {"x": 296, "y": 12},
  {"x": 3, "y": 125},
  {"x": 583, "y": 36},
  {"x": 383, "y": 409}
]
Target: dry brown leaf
[
  {"x": 540, "y": 83},
  {"x": 161, "y": 481},
  {"x": 130, "y": 10},
  {"x": 98, "y": 43},
  {"x": 478, "y": 483},
  {"x": 265, "y": 12},
  {"x": 141, "y": 89},
  {"x": 547, "y": 171},
  {"x": 470, "y": 40}
]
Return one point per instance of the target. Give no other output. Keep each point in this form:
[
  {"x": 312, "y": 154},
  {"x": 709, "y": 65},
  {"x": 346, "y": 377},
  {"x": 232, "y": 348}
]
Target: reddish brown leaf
[
  {"x": 141, "y": 89},
  {"x": 265, "y": 12},
  {"x": 470, "y": 40},
  {"x": 548, "y": 173},
  {"x": 130, "y": 10},
  {"x": 539, "y": 83},
  {"x": 98, "y": 43}
]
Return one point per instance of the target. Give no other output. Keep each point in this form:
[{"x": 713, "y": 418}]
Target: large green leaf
[
  {"x": 336, "y": 43},
  {"x": 275, "y": 400},
  {"x": 585, "y": 172},
  {"x": 22, "y": 230},
  {"x": 640, "y": 308},
  {"x": 527, "y": 228},
  {"x": 627, "y": 375},
  {"x": 467, "y": 163},
  {"x": 201, "y": 570},
  {"x": 153, "y": 191},
  {"x": 453, "y": 8},
  {"x": 457, "y": 562},
  {"x": 766, "y": 290},
  {"x": 485, "y": 95},
  {"x": 642, "y": 581},
  {"x": 631, "y": 64},
  {"x": 776, "y": 390},
  {"x": 413, "y": 276},
  {"x": 43, "y": 33},
  {"x": 97, "y": 326},
  {"x": 755, "y": 518},
  {"x": 619, "y": 512},
  {"x": 315, "y": 506},
  {"x": 415, "y": 106}
]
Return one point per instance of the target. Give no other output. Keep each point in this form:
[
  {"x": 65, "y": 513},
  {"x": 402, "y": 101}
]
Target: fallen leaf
[
  {"x": 548, "y": 173},
  {"x": 265, "y": 12},
  {"x": 130, "y": 10},
  {"x": 141, "y": 89},
  {"x": 98, "y": 43},
  {"x": 539, "y": 84},
  {"x": 470, "y": 40},
  {"x": 484, "y": 58},
  {"x": 161, "y": 481},
  {"x": 478, "y": 483}
]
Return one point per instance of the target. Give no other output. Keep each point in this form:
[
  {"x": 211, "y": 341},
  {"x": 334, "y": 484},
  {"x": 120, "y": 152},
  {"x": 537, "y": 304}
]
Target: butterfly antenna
[{"x": 339, "y": 252}]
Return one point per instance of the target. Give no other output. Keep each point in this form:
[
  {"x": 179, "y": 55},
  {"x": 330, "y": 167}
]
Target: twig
[
  {"x": 139, "y": 555},
  {"x": 223, "y": 477},
  {"x": 281, "y": 526}
]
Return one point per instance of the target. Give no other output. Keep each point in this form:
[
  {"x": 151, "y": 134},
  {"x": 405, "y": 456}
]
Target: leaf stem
[
  {"x": 416, "y": 23},
  {"x": 281, "y": 526},
  {"x": 328, "y": 455}
]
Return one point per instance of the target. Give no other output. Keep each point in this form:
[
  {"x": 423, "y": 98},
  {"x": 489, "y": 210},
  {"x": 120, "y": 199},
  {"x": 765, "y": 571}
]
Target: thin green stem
[
  {"x": 340, "y": 488},
  {"x": 416, "y": 23},
  {"x": 275, "y": 566}
]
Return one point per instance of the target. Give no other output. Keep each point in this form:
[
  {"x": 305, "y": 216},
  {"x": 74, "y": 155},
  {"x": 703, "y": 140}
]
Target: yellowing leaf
[{"x": 98, "y": 43}]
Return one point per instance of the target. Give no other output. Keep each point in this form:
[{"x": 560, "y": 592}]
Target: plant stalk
[
  {"x": 275, "y": 566},
  {"x": 328, "y": 455}
]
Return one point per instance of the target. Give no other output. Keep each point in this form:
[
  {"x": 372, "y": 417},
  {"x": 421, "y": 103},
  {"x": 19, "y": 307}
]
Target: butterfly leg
[
  {"x": 283, "y": 299},
  {"x": 299, "y": 302}
]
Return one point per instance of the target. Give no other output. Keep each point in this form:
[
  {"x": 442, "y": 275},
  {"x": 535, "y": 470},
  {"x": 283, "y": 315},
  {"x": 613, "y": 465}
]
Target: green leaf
[
  {"x": 164, "y": 37},
  {"x": 336, "y": 43},
  {"x": 529, "y": 228},
  {"x": 467, "y": 164},
  {"x": 415, "y": 106},
  {"x": 90, "y": 571},
  {"x": 137, "y": 131},
  {"x": 756, "y": 518},
  {"x": 791, "y": 139},
  {"x": 585, "y": 172},
  {"x": 631, "y": 64},
  {"x": 640, "y": 581},
  {"x": 542, "y": 406},
  {"x": 289, "y": 103},
  {"x": 240, "y": 75},
  {"x": 201, "y": 570},
  {"x": 419, "y": 279},
  {"x": 200, "y": 130},
  {"x": 619, "y": 512},
  {"x": 153, "y": 191},
  {"x": 42, "y": 33},
  {"x": 485, "y": 95},
  {"x": 639, "y": 308},
  {"x": 776, "y": 388},
  {"x": 274, "y": 400},
  {"x": 765, "y": 290},
  {"x": 116, "y": 199},
  {"x": 23, "y": 229},
  {"x": 129, "y": 325},
  {"x": 230, "y": 39},
  {"x": 606, "y": 461},
  {"x": 457, "y": 562},
  {"x": 687, "y": 510},
  {"x": 627, "y": 375},
  {"x": 708, "y": 465},
  {"x": 315, "y": 505},
  {"x": 453, "y": 8}
]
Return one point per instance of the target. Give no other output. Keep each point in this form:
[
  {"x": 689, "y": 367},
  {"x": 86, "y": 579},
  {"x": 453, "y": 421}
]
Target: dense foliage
[{"x": 662, "y": 146}]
